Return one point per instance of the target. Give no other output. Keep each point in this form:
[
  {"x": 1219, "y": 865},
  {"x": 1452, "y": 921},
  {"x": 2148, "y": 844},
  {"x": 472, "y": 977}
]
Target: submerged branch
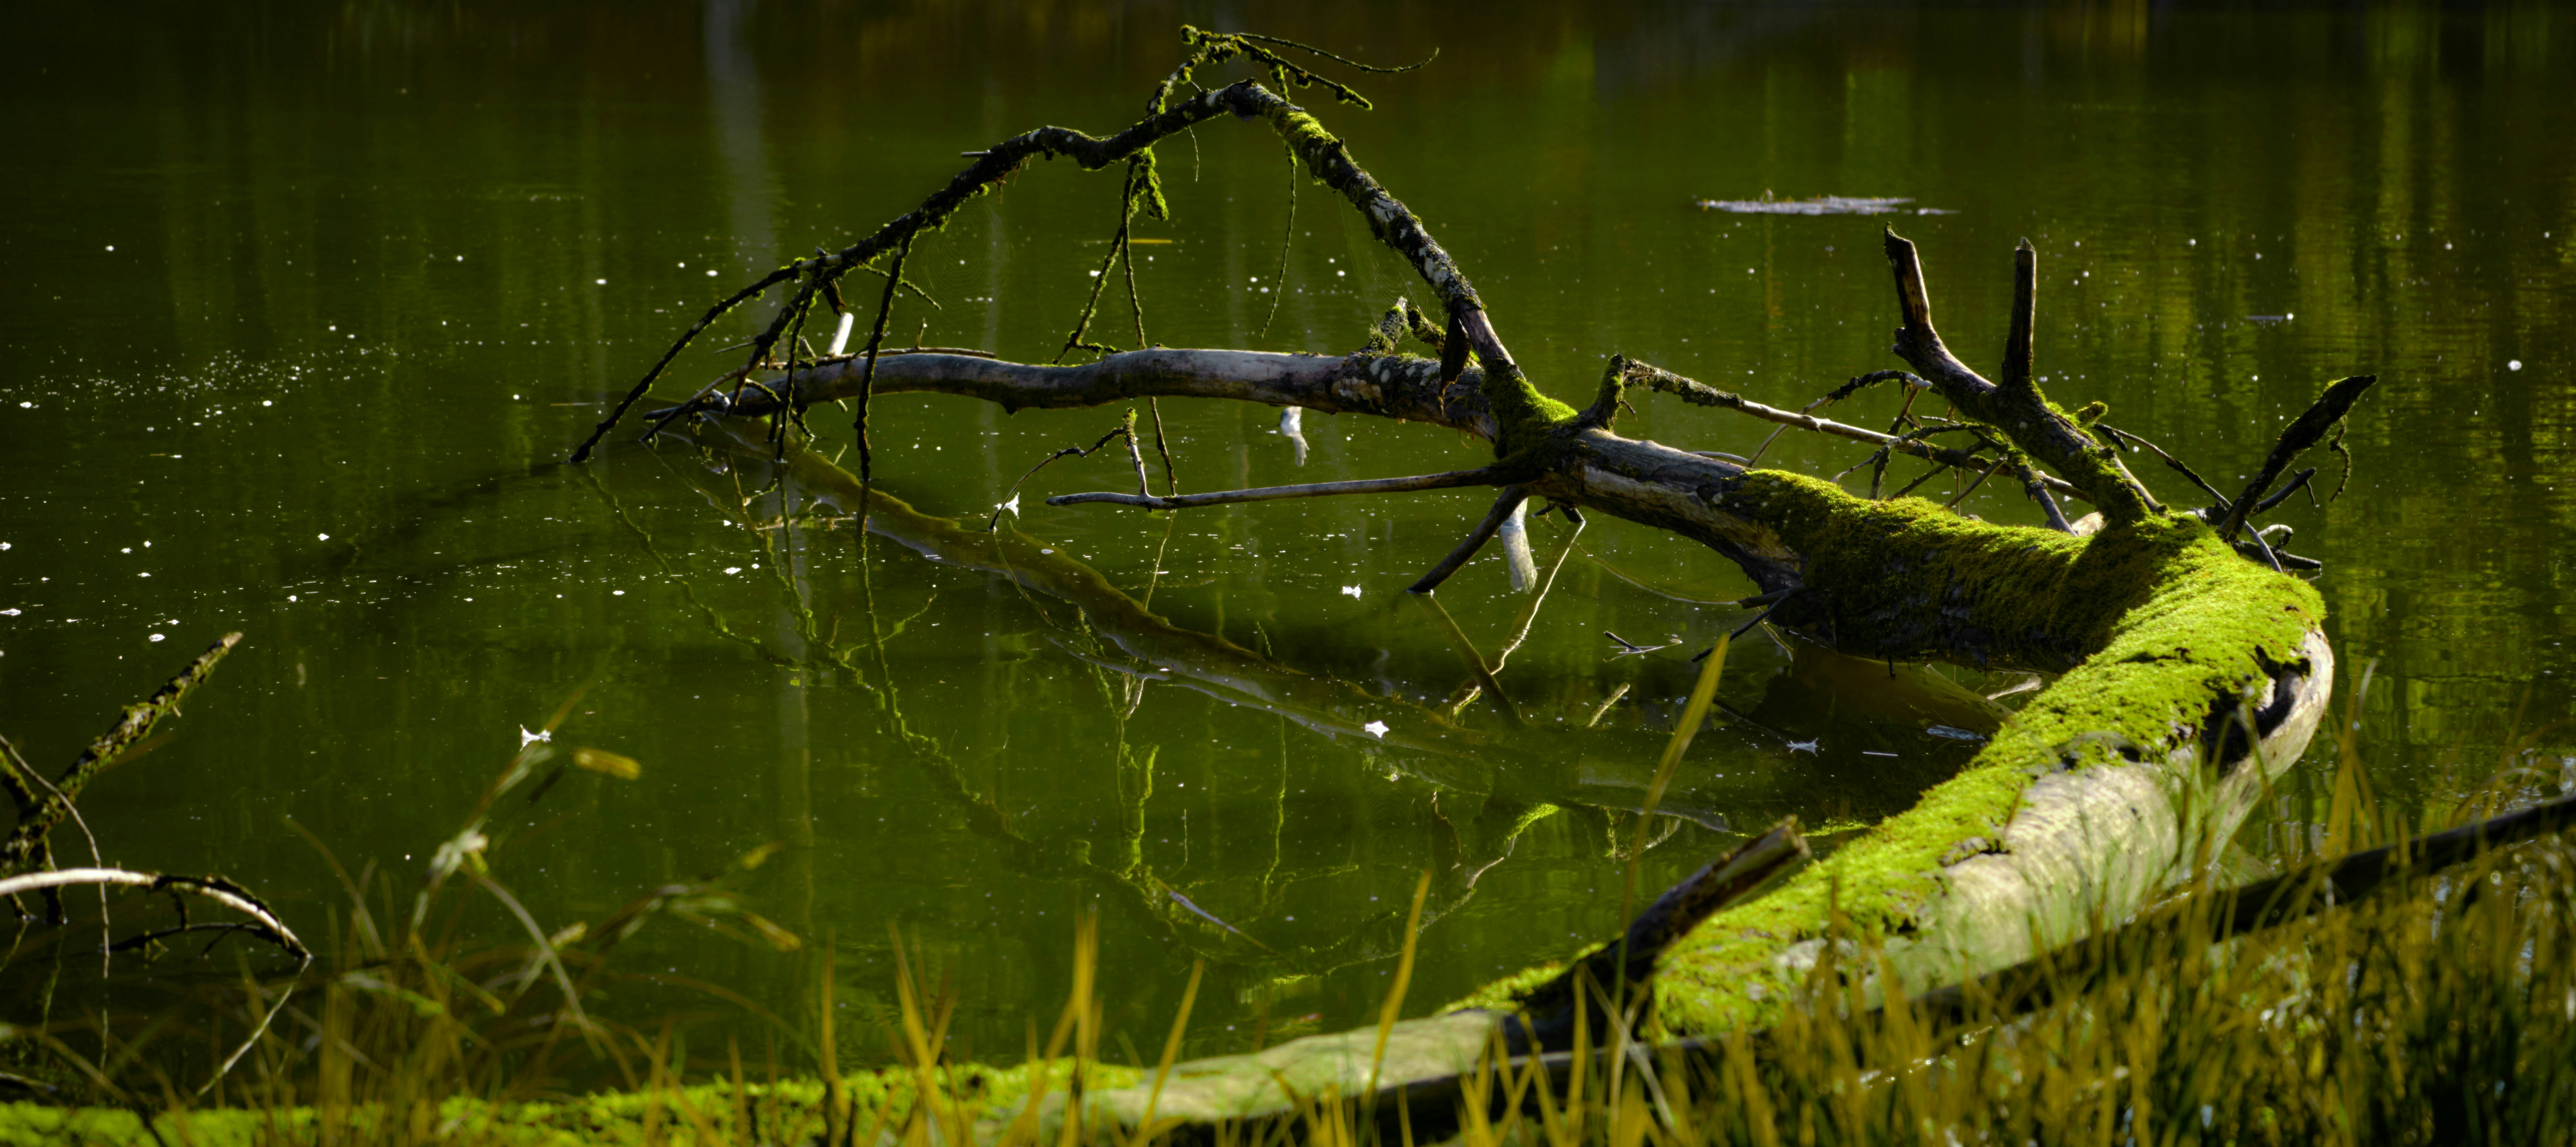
[
  {"x": 27, "y": 841},
  {"x": 1443, "y": 481}
]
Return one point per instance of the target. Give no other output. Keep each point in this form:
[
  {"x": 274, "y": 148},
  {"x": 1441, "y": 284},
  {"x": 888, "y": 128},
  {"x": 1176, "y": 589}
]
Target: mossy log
[
  {"x": 2189, "y": 673},
  {"x": 2105, "y": 788}
]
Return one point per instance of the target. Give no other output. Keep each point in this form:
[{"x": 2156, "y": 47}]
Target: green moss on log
[{"x": 2175, "y": 622}]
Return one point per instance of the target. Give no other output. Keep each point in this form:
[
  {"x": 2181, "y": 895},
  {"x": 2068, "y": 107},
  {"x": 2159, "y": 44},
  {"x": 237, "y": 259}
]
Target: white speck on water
[
  {"x": 143, "y": 575},
  {"x": 2512, "y": 364},
  {"x": 265, "y": 402},
  {"x": 617, "y": 593},
  {"x": 12, "y": 611},
  {"x": 711, "y": 274},
  {"x": 733, "y": 569},
  {"x": 603, "y": 282},
  {"x": 290, "y": 597},
  {"x": 1375, "y": 729},
  {"x": 158, "y": 637},
  {"x": 1011, "y": 507},
  {"x": 1351, "y": 590},
  {"x": 1803, "y": 746},
  {"x": 527, "y": 738}
]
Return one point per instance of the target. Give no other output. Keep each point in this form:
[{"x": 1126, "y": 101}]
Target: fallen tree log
[{"x": 2190, "y": 674}]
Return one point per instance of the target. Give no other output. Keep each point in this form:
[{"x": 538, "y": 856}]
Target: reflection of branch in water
[
  {"x": 1128, "y": 879},
  {"x": 1650, "y": 587},
  {"x": 1159, "y": 650},
  {"x": 715, "y": 621},
  {"x": 1466, "y": 647},
  {"x": 1520, "y": 629}
]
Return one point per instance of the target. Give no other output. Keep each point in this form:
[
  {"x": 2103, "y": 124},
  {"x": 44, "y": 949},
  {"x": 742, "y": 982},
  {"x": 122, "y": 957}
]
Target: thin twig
[
  {"x": 2296, "y": 483},
  {"x": 715, "y": 312},
  {"x": 1962, "y": 495},
  {"x": 1510, "y": 500},
  {"x": 876, "y": 340},
  {"x": 1011, "y": 498},
  {"x": 1701, "y": 394},
  {"x": 1458, "y": 640},
  {"x": 2216, "y": 499}
]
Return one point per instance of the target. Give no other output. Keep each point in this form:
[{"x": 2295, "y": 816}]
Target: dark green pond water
[{"x": 304, "y": 308}]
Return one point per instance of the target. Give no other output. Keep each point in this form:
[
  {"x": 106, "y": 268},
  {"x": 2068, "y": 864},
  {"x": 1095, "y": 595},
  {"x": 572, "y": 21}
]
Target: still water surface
[{"x": 304, "y": 308}]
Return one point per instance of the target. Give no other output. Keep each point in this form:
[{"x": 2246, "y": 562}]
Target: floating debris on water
[
  {"x": 1804, "y": 746},
  {"x": 1820, "y": 205},
  {"x": 1954, "y": 734}
]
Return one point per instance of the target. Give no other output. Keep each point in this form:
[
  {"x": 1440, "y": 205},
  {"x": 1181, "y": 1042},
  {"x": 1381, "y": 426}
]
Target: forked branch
[{"x": 2020, "y": 411}]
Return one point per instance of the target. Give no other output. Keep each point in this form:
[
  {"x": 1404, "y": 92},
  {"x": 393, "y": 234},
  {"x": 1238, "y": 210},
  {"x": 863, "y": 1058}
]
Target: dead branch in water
[
  {"x": 26, "y": 845},
  {"x": 2083, "y": 791}
]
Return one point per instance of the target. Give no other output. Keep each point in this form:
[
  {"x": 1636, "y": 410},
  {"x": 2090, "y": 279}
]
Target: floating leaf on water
[
  {"x": 1820, "y": 205},
  {"x": 602, "y": 761}
]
